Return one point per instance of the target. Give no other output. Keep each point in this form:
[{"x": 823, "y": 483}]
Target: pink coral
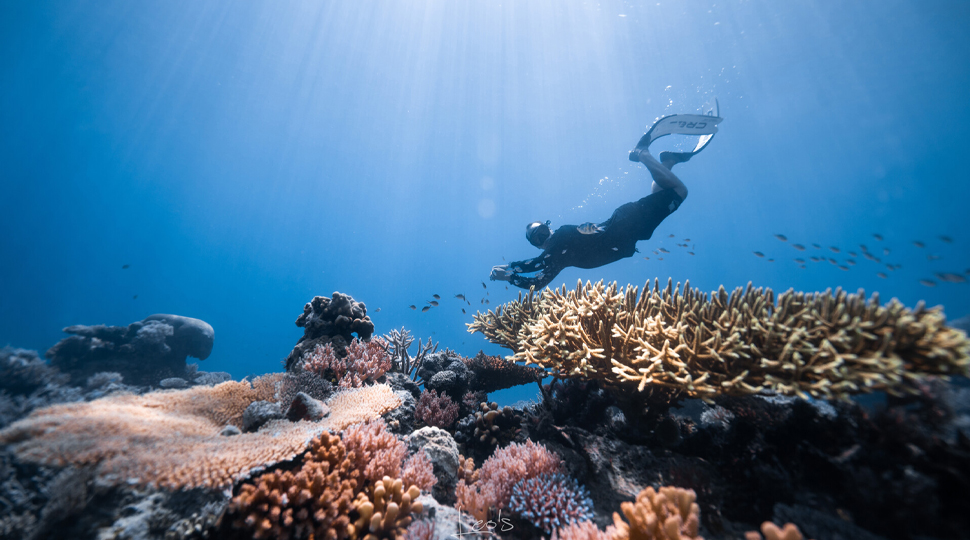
[
  {"x": 364, "y": 362},
  {"x": 501, "y": 472},
  {"x": 376, "y": 452},
  {"x": 434, "y": 410},
  {"x": 418, "y": 471}
]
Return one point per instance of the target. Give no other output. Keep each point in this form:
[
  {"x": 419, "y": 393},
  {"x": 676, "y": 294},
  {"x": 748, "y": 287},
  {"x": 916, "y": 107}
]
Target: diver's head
[{"x": 537, "y": 233}]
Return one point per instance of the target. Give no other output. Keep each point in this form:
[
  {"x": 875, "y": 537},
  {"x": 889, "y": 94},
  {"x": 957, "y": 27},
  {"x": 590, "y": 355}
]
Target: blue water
[{"x": 243, "y": 157}]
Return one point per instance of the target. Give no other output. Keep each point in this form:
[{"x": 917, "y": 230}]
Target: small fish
[
  {"x": 816, "y": 246},
  {"x": 951, "y": 278},
  {"x": 460, "y": 296},
  {"x": 946, "y": 239},
  {"x": 378, "y": 310},
  {"x": 864, "y": 248},
  {"x": 833, "y": 261},
  {"x": 850, "y": 261},
  {"x": 967, "y": 271},
  {"x": 425, "y": 308},
  {"x": 853, "y": 254},
  {"x": 134, "y": 297},
  {"x": 463, "y": 311},
  {"x": 799, "y": 247},
  {"x": 927, "y": 282},
  {"x": 589, "y": 228},
  {"x": 758, "y": 253},
  {"x": 660, "y": 258},
  {"x": 934, "y": 257},
  {"x": 815, "y": 259},
  {"x": 781, "y": 237},
  {"x": 686, "y": 239},
  {"x": 125, "y": 266},
  {"x": 506, "y": 287},
  {"x": 486, "y": 300},
  {"x": 482, "y": 301},
  {"x": 843, "y": 267},
  {"x": 771, "y": 260},
  {"x": 664, "y": 250},
  {"x": 690, "y": 252},
  {"x": 671, "y": 236},
  {"x": 878, "y": 237},
  {"x": 882, "y": 275},
  {"x": 802, "y": 266},
  {"x": 800, "y": 261},
  {"x": 889, "y": 266},
  {"x": 919, "y": 244},
  {"x": 412, "y": 306},
  {"x": 483, "y": 285},
  {"x": 834, "y": 249},
  {"x": 434, "y": 303},
  {"x": 436, "y": 297},
  {"x": 655, "y": 252},
  {"x": 871, "y": 257},
  {"x": 647, "y": 258}
]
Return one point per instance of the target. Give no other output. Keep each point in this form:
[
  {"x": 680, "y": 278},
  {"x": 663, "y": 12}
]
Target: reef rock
[
  {"x": 143, "y": 352},
  {"x": 441, "y": 449},
  {"x": 331, "y": 320}
]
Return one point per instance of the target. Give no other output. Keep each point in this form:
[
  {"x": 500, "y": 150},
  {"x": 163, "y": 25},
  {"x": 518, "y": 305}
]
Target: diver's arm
[
  {"x": 528, "y": 266},
  {"x": 538, "y": 281}
]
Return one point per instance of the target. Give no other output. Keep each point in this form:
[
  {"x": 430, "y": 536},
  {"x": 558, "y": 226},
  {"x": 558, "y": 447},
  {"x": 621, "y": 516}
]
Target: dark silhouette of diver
[{"x": 593, "y": 245}]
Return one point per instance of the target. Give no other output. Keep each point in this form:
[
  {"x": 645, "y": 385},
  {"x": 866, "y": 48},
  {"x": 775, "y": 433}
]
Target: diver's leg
[{"x": 663, "y": 178}]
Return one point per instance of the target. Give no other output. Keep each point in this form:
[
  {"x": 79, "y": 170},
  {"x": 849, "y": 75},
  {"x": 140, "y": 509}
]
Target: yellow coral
[
  {"x": 820, "y": 344},
  {"x": 387, "y": 512},
  {"x": 670, "y": 514},
  {"x": 172, "y": 438}
]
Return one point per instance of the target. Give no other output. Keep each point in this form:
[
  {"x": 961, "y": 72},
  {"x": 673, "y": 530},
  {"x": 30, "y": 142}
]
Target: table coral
[
  {"x": 825, "y": 345},
  {"x": 172, "y": 438}
]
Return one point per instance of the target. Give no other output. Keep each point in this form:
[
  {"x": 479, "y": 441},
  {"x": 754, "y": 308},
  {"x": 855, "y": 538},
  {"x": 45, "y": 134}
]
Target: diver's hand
[{"x": 500, "y": 273}]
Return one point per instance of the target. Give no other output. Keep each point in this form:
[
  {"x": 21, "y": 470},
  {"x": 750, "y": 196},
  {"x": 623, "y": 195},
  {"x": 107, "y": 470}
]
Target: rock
[
  {"x": 174, "y": 382},
  {"x": 230, "y": 430},
  {"x": 104, "y": 378},
  {"x": 331, "y": 320},
  {"x": 211, "y": 378},
  {"x": 144, "y": 352},
  {"x": 400, "y": 381},
  {"x": 305, "y": 407},
  {"x": 400, "y": 421},
  {"x": 258, "y": 413},
  {"x": 441, "y": 449},
  {"x": 446, "y": 520},
  {"x": 615, "y": 419},
  {"x": 22, "y": 372}
]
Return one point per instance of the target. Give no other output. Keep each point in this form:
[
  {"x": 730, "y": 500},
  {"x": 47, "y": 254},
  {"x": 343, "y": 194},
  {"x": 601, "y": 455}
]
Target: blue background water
[{"x": 244, "y": 157}]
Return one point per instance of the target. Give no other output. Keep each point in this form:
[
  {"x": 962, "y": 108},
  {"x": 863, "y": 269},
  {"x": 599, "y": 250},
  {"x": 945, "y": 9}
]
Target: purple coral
[
  {"x": 434, "y": 410},
  {"x": 551, "y": 501}
]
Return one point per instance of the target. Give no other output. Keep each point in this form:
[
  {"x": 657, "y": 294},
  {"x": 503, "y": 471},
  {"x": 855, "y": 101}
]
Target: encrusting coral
[
  {"x": 826, "y": 345},
  {"x": 667, "y": 514},
  {"x": 172, "y": 439}
]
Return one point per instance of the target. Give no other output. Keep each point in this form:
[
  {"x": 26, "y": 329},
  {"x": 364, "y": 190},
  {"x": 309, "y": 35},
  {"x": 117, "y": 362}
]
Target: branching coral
[
  {"x": 493, "y": 373},
  {"x": 551, "y": 501},
  {"x": 583, "y": 530},
  {"x": 827, "y": 345},
  {"x": 364, "y": 363},
  {"x": 397, "y": 343},
  {"x": 668, "y": 514},
  {"x": 315, "y": 500},
  {"x": 376, "y": 452},
  {"x": 419, "y": 471},
  {"x": 172, "y": 438},
  {"x": 386, "y": 513},
  {"x": 499, "y": 474},
  {"x": 434, "y": 410}
]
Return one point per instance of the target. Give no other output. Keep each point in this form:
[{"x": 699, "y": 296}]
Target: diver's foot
[
  {"x": 642, "y": 146},
  {"x": 670, "y": 159}
]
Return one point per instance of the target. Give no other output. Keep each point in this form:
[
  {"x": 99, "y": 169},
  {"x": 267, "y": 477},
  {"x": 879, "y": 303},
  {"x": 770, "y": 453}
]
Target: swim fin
[{"x": 704, "y": 125}]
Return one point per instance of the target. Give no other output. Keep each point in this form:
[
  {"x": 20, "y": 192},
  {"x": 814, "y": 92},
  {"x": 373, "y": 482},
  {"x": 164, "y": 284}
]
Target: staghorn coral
[
  {"x": 386, "y": 513},
  {"x": 501, "y": 472},
  {"x": 377, "y": 453},
  {"x": 397, "y": 343},
  {"x": 774, "y": 532},
  {"x": 434, "y": 410},
  {"x": 494, "y": 373},
  {"x": 171, "y": 438},
  {"x": 668, "y": 514},
  {"x": 820, "y": 344},
  {"x": 364, "y": 363},
  {"x": 551, "y": 501},
  {"x": 312, "y": 502},
  {"x": 419, "y": 471}
]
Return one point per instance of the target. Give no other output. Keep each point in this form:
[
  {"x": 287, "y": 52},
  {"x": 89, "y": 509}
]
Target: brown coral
[
  {"x": 376, "y": 452},
  {"x": 386, "y": 513},
  {"x": 434, "y": 410},
  {"x": 820, "y": 344},
  {"x": 583, "y": 530},
  {"x": 314, "y": 501},
  {"x": 774, "y": 532},
  {"x": 172, "y": 438},
  {"x": 670, "y": 514}
]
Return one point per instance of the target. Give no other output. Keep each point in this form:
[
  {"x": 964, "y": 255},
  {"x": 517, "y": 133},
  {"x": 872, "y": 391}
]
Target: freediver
[{"x": 593, "y": 245}]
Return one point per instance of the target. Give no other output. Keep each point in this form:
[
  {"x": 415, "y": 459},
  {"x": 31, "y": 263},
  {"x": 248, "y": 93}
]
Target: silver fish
[
  {"x": 589, "y": 228},
  {"x": 951, "y": 278}
]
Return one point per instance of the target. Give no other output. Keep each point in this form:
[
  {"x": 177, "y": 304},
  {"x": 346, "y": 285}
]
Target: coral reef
[
  {"x": 144, "y": 352},
  {"x": 445, "y": 372},
  {"x": 363, "y": 363},
  {"x": 822, "y": 345},
  {"x": 493, "y": 373},
  {"x": 398, "y": 343},
  {"x": 437, "y": 411},
  {"x": 331, "y": 320},
  {"x": 172, "y": 438},
  {"x": 489, "y": 427}
]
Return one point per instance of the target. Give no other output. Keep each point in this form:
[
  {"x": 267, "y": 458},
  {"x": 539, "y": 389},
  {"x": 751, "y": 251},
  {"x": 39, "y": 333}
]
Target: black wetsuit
[{"x": 616, "y": 239}]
